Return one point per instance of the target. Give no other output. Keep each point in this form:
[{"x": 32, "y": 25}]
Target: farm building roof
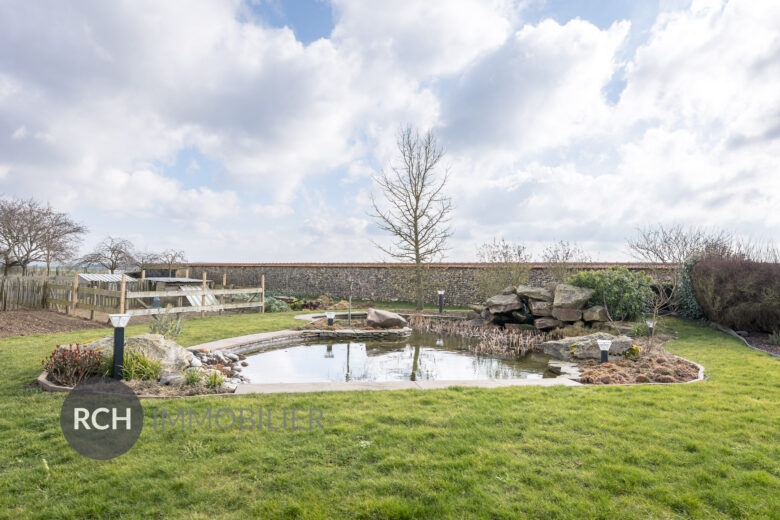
[{"x": 103, "y": 277}]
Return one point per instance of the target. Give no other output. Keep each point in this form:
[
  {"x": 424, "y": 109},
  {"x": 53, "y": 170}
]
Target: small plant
[
  {"x": 274, "y": 305},
  {"x": 139, "y": 366},
  {"x": 73, "y": 364},
  {"x": 166, "y": 324},
  {"x": 774, "y": 338},
  {"x": 640, "y": 329},
  {"x": 192, "y": 376},
  {"x": 214, "y": 379}
]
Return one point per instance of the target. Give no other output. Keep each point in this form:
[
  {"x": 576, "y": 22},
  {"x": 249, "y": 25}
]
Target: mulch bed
[
  {"x": 658, "y": 368},
  {"x": 149, "y": 387},
  {"x": 760, "y": 340},
  {"x": 29, "y": 322}
]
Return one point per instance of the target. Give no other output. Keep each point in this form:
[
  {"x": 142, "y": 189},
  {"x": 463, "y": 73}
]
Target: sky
[{"x": 250, "y": 131}]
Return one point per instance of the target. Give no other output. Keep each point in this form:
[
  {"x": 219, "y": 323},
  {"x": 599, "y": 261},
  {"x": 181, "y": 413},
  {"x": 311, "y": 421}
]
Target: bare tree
[
  {"x": 144, "y": 260},
  {"x": 561, "y": 259},
  {"x": 172, "y": 257},
  {"x": 666, "y": 249},
  {"x": 507, "y": 263},
  {"x": 112, "y": 253},
  {"x": 31, "y": 232},
  {"x": 61, "y": 239},
  {"x": 417, "y": 211}
]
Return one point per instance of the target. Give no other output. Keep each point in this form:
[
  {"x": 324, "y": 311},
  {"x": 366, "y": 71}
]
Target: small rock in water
[
  {"x": 244, "y": 364},
  {"x": 232, "y": 357}
]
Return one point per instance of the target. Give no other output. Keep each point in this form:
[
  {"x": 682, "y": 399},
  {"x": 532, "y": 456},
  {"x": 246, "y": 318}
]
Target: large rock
[
  {"x": 384, "y": 319},
  {"x": 541, "y": 308},
  {"x": 504, "y": 303},
  {"x": 534, "y": 293},
  {"x": 571, "y": 297},
  {"x": 595, "y": 313},
  {"x": 585, "y": 347},
  {"x": 509, "y": 289},
  {"x": 546, "y": 323},
  {"x": 172, "y": 356},
  {"x": 566, "y": 314}
]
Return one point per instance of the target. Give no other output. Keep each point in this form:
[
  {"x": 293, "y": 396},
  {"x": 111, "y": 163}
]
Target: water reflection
[{"x": 418, "y": 358}]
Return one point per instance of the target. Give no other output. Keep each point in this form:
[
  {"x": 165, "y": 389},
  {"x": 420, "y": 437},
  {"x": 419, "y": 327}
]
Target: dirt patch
[
  {"x": 29, "y": 322},
  {"x": 760, "y": 340}
]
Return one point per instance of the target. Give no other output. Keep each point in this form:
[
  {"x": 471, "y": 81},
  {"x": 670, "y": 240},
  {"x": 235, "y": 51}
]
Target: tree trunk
[{"x": 418, "y": 285}]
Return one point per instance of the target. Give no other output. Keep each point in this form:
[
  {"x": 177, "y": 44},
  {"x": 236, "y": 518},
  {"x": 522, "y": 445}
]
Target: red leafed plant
[{"x": 72, "y": 364}]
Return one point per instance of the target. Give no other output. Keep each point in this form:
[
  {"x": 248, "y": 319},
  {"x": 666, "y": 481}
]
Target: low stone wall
[{"x": 377, "y": 281}]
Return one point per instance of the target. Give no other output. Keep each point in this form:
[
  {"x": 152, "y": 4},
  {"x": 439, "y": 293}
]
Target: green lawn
[{"x": 705, "y": 450}]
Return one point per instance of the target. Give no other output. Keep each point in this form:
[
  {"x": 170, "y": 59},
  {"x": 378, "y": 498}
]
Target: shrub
[
  {"x": 505, "y": 264},
  {"x": 73, "y": 364},
  {"x": 166, "y": 324},
  {"x": 686, "y": 303},
  {"x": 192, "y": 376},
  {"x": 139, "y": 366},
  {"x": 625, "y": 293},
  {"x": 274, "y": 305},
  {"x": 214, "y": 379},
  {"x": 737, "y": 292},
  {"x": 774, "y": 338}
]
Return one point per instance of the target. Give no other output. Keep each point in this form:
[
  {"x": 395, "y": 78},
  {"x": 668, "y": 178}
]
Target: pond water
[{"x": 419, "y": 357}]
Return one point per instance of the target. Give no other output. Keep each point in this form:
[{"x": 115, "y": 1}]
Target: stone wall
[{"x": 378, "y": 282}]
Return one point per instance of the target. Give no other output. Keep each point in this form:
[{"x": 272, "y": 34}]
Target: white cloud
[{"x": 272, "y": 211}]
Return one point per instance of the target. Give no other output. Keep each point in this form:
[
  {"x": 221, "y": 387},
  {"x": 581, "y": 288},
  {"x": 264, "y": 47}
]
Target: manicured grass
[{"x": 703, "y": 450}]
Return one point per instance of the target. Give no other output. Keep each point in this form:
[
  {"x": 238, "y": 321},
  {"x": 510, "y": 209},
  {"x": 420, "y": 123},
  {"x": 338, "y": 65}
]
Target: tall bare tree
[
  {"x": 31, "y": 232},
  {"x": 172, "y": 257},
  {"x": 416, "y": 210},
  {"x": 112, "y": 253}
]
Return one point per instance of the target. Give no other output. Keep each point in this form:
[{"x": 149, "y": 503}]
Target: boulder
[
  {"x": 546, "y": 323},
  {"x": 384, "y": 319},
  {"x": 541, "y": 308},
  {"x": 509, "y": 289},
  {"x": 571, "y": 297},
  {"x": 595, "y": 313},
  {"x": 534, "y": 293},
  {"x": 172, "y": 356},
  {"x": 567, "y": 314},
  {"x": 504, "y": 303},
  {"x": 479, "y": 309},
  {"x": 585, "y": 347},
  {"x": 172, "y": 379}
]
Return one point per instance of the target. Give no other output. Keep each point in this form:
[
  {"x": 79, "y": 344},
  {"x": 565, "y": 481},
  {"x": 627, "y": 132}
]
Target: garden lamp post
[
  {"x": 330, "y": 316},
  {"x": 441, "y": 301},
  {"x": 650, "y": 326},
  {"x": 119, "y": 322},
  {"x": 604, "y": 345}
]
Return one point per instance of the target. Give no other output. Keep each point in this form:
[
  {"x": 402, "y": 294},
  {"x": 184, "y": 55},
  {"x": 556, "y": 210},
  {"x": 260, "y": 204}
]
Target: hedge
[{"x": 738, "y": 293}]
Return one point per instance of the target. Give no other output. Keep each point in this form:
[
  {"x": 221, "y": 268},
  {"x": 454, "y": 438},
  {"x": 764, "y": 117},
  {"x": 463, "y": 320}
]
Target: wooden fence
[
  {"x": 22, "y": 292},
  {"x": 130, "y": 297}
]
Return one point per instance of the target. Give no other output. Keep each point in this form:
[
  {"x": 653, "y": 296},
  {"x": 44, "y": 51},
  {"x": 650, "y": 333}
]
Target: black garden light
[
  {"x": 604, "y": 345},
  {"x": 119, "y": 322},
  {"x": 441, "y": 301}
]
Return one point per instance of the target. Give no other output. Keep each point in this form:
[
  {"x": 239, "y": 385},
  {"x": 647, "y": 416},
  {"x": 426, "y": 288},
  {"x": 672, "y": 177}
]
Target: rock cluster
[
  {"x": 229, "y": 364},
  {"x": 540, "y": 307}
]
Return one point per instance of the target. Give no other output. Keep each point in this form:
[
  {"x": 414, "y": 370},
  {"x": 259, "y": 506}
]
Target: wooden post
[
  {"x": 75, "y": 293},
  {"x": 122, "y": 291},
  {"x": 203, "y": 297},
  {"x": 143, "y": 275},
  {"x": 222, "y": 296},
  {"x": 262, "y": 286},
  {"x": 187, "y": 273}
]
